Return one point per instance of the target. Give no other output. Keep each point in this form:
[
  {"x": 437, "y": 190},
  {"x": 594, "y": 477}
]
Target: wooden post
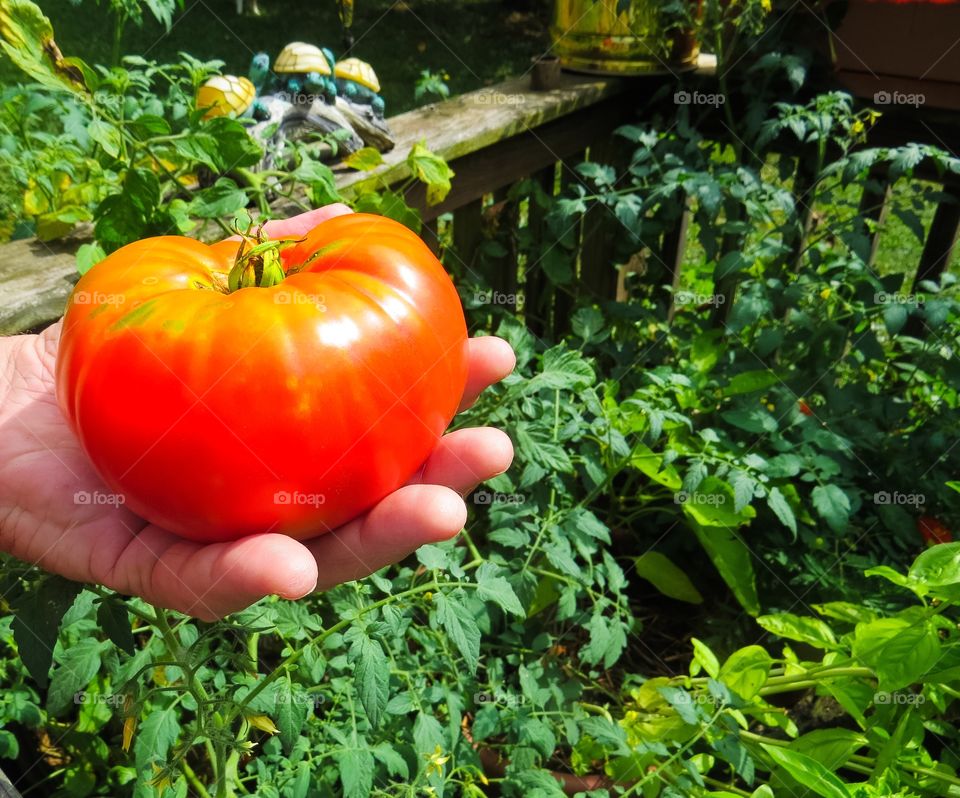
[
  {"x": 466, "y": 236},
  {"x": 565, "y": 296},
  {"x": 937, "y": 250},
  {"x": 506, "y": 277},
  {"x": 537, "y": 289},
  {"x": 431, "y": 235},
  {"x": 874, "y": 206},
  {"x": 598, "y": 273},
  {"x": 804, "y": 180},
  {"x": 672, "y": 248},
  {"x": 941, "y": 238},
  {"x": 727, "y": 287}
]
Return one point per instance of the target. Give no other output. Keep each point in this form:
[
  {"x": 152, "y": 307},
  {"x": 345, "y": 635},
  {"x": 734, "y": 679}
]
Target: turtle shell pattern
[
  {"x": 359, "y": 72},
  {"x": 300, "y": 58},
  {"x": 226, "y": 94}
]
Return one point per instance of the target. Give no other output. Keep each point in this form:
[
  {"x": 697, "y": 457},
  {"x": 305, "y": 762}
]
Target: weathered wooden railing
[{"x": 493, "y": 138}]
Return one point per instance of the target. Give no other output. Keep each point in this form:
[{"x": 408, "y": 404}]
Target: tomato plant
[{"x": 228, "y": 390}]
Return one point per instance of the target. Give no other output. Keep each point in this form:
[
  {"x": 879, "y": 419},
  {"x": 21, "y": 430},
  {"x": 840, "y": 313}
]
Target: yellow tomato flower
[
  {"x": 129, "y": 727},
  {"x": 263, "y": 723},
  {"x": 436, "y": 761}
]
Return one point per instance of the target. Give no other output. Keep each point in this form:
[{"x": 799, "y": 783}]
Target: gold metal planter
[{"x": 590, "y": 36}]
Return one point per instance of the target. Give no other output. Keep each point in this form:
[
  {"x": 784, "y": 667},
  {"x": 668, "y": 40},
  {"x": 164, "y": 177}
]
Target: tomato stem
[{"x": 258, "y": 263}]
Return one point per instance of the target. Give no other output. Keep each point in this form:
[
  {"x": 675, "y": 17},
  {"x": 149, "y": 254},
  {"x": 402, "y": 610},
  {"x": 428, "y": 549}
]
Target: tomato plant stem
[{"x": 194, "y": 780}]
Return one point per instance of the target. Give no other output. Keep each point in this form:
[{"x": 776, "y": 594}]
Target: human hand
[{"x": 43, "y": 470}]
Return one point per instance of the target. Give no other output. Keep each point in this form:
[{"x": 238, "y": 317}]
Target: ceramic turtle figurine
[
  {"x": 259, "y": 73},
  {"x": 358, "y": 83},
  {"x": 305, "y": 69},
  {"x": 229, "y": 95}
]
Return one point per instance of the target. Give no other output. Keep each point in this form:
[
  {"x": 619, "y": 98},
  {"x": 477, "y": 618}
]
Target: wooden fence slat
[
  {"x": 725, "y": 290},
  {"x": 467, "y": 234},
  {"x": 673, "y": 246},
  {"x": 565, "y": 296},
  {"x": 803, "y": 196},
  {"x": 506, "y": 278},
  {"x": 430, "y": 233},
  {"x": 598, "y": 273},
  {"x": 941, "y": 238},
  {"x": 537, "y": 289},
  {"x": 937, "y": 250},
  {"x": 874, "y": 206}
]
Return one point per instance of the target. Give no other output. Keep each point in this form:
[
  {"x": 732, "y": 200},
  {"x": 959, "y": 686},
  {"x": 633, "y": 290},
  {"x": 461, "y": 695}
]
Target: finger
[
  {"x": 300, "y": 225},
  {"x": 305, "y": 222},
  {"x": 491, "y": 359},
  {"x": 209, "y": 581},
  {"x": 467, "y": 457},
  {"x": 403, "y": 522}
]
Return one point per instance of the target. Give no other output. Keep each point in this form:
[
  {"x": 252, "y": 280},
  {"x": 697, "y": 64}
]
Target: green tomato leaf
[
  {"x": 88, "y": 256},
  {"x": 751, "y": 381},
  {"x": 228, "y": 143},
  {"x": 114, "y": 619},
  {"x": 562, "y": 369},
  {"x": 812, "y": 631},
  {"x": 746, "y": 671},
  {"x": 808, "y": 771},
  {"x": 900, "y": 652},
  {"x": 396, "y": 765},
  {"x": 782, "y": 509},
  {"x": 704, "y": 656},
  {"x": 754, "y": 419},
  {"x": 607, "y": 641},
  {"x": 372, "y": 671},
  {"x": 938, "y": 568},
  {"x": 431, "y": 169},
  {"x": 666, "y": 577},
  {"x": 493, "y": 587},
  {"x": 290, "y": 715},
  {"x": 733, "y": 561},
  {"x": 26, "y": 36},
  {"x": 830, "y": 747},
  {"x": 895, "y": 316},
  {"x": 155, "y": 736},
  {"x": 364, "y": 160},
  {"x": 78, "y": 665},
  {"x": 37, "y": 622},
  {"x": 224, "y": 198},
  {"x": 356, "y": 772},
  {"x": 461, "y": 627},
  {"x": 106, "y": 135},
  {"x": 433, "y": 558},
  {"x": 833, "y": 506}
]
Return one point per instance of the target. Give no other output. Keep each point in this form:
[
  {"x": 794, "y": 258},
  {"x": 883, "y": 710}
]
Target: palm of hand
[{"x": 45, "y": 478}]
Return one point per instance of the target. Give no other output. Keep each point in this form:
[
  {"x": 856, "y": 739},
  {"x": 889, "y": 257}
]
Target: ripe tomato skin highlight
[{"x": 290, "y": 409}]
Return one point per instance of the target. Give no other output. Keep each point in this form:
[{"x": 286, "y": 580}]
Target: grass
[
  {"x": 898, "y": 248},
  {"x": 475, "y": 42}
]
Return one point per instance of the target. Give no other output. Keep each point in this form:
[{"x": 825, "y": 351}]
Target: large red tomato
[{"x": 290, "y": 407}]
